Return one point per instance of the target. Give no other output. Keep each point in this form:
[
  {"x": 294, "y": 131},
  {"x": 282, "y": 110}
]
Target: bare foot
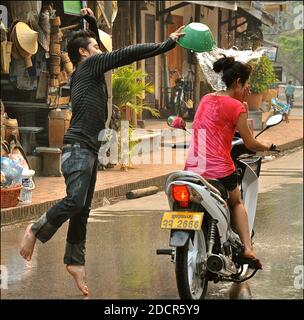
[
  {"x": 78, "y": 274},
  {"x": 28, "y": 243}
]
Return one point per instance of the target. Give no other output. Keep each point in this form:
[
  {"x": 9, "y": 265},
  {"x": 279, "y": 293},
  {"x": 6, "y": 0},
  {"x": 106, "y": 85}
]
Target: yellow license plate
[{"x": 182, "y": 220}]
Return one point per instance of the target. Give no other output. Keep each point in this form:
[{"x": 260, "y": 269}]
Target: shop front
[
  {"x": 35, "y": 73},
  {"x": 35, "y": 91}
]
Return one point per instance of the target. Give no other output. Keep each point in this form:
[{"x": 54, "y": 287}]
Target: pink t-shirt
[{"x": 213, "y": 127}]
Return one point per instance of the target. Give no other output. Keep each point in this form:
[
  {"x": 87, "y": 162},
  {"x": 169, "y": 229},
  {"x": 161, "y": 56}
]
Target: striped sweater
[{"x": 89, "y": 93}]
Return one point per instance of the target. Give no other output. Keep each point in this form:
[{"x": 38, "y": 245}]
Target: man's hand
[
  {"x": 177, "y": 34},
  {"x": 87, "y": 11}
]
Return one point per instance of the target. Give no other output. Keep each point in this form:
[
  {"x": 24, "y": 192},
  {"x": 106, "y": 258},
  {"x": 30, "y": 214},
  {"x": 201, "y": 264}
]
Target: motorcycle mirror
[
  {"x": 176, "y": 122},
  {"x": 274, "y": 120}
]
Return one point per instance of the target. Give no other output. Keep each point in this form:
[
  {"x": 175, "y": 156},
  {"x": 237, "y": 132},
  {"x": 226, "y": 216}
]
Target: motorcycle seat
[{"x": 220, "y": 187}]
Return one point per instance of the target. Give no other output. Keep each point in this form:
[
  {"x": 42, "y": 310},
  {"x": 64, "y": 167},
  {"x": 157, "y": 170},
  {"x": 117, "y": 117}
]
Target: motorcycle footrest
[{"x": 165, "y": 251}]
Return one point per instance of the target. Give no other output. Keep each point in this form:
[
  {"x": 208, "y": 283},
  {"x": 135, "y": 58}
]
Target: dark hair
[
  {"x": 80, "y": 39},
  {"x": 232, "y": 70},
  {"x": 290, "y": 81}
]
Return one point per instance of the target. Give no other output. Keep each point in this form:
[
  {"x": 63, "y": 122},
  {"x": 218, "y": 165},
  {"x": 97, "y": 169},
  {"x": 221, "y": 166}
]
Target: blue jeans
[{"x": 79, "y": 168}]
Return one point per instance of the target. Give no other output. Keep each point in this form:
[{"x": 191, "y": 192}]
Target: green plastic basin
[{"x": 198, "y": 38}]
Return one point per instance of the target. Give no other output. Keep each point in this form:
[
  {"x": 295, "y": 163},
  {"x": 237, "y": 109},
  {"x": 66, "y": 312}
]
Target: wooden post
[{"x": 142, "y": 192}]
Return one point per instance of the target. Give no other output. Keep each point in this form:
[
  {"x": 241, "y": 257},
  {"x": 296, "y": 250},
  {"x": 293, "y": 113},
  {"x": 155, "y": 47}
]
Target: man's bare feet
[
  {"x": 28, "y": 243},
  {"x": 78, "y": 273}
]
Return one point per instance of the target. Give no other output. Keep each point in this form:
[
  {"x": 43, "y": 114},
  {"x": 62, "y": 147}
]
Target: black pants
[
  {"x": 79, "y": 168},
  {"x": 230, "y": 182},
  {"x": 289, "y": 100}
]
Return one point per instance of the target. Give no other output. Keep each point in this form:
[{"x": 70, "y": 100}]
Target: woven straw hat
[
  {"x": 26, "y": 38},
  {"x": 20, "y": 53},
  {"x": 17, "y": 52},
  {"x": 106, "y": 40}
]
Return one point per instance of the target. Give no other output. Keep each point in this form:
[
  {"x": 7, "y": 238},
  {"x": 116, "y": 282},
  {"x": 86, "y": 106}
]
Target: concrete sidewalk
[{"x": 113, "y": 184}]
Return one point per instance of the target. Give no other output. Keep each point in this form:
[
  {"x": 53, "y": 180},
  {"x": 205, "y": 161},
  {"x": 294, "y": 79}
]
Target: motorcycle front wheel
[{"x": 190, "y": 272}]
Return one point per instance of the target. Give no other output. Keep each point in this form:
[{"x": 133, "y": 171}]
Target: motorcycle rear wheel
[{"x": 190, "y": 284}]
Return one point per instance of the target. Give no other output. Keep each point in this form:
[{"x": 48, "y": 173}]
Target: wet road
[{"x": 122, "y": 240}]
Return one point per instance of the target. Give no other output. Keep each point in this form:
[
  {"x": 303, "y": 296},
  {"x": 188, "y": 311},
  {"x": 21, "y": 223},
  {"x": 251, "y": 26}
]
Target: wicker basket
[{"x": 10, "y": 197}]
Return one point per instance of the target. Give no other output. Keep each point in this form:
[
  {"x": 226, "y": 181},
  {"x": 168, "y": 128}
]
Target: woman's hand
[
  {"x": 245, "y": 104},
  {"x": 246, "y": 92},
  {"x": 177, "y": 34},
  {"x": 87, "y": 11}
]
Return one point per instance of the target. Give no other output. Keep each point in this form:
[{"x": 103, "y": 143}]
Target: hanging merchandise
[
  {"x": 67, "y": 64},
  {"x": 25, "y": 42},
  {"x": 6, "y": 49},
  {"x": 44, "y": 23},
  {"x": 55, "y": 50},
  {"x": 105, "y": 39}
]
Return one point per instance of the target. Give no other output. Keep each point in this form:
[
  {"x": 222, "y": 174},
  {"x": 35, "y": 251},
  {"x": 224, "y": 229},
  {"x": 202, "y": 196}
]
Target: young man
[{"x": 79, "y": 153}]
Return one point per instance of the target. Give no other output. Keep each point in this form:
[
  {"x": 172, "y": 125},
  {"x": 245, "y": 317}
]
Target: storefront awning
[
  {"x": 255, "y": 9},
  {"x": 229, "y": 5},
  {"x": 273, "y": 6}
]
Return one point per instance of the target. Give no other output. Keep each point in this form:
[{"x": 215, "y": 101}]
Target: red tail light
[{"x": 181, "y": 194}]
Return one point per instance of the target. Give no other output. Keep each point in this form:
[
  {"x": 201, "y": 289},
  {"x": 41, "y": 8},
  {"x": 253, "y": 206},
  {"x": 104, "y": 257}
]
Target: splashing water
[{"x": 206, "y": 60}]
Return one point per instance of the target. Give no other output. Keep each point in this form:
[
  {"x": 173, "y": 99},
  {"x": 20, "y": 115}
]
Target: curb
[
  {"x": 28, "y": 212},
  {"x": 291, "y": 144},
  {"x": 101, "y": 197}
]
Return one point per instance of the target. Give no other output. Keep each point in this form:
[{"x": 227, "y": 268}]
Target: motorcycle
[
  {"x": 204, "y": 245},
  {"x": 182, "y": 102}
]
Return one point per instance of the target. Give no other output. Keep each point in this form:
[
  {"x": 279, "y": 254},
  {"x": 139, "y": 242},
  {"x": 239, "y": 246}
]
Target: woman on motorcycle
[{"x": 218, "y": 116}]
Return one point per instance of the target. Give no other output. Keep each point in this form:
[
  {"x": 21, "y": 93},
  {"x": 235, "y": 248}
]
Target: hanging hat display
[
  {"x": 19, "y": 51},
  {"x": 105, "y": 39},
  {"x": 26, "y": 38}
]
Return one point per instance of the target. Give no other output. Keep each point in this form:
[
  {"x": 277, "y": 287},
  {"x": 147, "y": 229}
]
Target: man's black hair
[{"x": 80, "y": 39}]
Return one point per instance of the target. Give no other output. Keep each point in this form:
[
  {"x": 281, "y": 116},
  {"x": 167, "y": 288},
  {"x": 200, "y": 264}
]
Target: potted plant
[
  {"x": 128, "y": 88},
  {"x": 262, "y": 77}
]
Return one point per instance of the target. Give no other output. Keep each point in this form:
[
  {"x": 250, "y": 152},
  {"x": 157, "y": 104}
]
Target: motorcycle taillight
[{"x": 181, "y": 194}]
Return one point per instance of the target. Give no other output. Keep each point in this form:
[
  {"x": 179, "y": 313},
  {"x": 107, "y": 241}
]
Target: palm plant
[{"x": 128, "y": 88}]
